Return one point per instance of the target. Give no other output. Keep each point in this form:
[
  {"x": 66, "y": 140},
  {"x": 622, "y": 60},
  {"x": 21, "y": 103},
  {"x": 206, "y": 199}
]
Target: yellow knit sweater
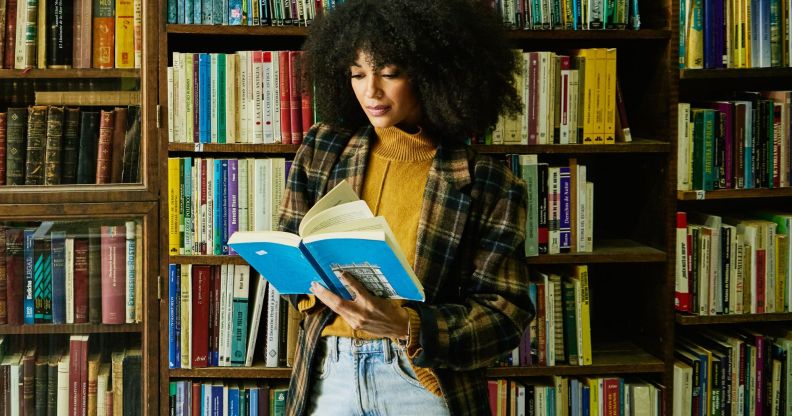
[{"x": 393, "y": 188}]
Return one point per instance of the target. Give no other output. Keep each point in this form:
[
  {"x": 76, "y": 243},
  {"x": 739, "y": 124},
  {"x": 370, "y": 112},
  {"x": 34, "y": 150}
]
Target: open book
[{"x": 337, "y": 234}]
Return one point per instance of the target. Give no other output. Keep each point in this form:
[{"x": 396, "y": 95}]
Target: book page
[
  {"x": 341, "y": 194},
  {"x": 333, "y": 216}
]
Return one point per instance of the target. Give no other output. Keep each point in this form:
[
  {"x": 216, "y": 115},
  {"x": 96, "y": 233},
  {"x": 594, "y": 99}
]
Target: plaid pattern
[{"x": 468, "y": 256}]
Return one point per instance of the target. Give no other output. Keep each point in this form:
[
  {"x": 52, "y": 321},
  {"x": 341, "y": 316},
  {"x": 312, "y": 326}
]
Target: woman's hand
[{"x": 365, "y": 312}]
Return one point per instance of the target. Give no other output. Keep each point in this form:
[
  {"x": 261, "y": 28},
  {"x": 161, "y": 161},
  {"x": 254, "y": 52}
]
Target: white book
[
  {"x": 272, "y": 347},
  {"x": 543, "y": 100},
  {"x": 715, "y": 277},
  {"x": 206, "y": 395},
  {"x": 102, "y": 381},
  {"x": 258, "y": 83},
  {"x": 684, "y": 163},
  {"x": 131, "y": 273},
  {"x": 262, "y": 195},
  {"x": 573, "y": 97},
  {"x": 251, "y": 189},
  {"x": 242, "y": 194},
  {"x": 179, "y": 99},
  {"x": 186, "y": 315},
  {"x": 63, "y": 386},
  {"x": 739, "y": 276},
  {"x": 590, "y": 217},
  {"x": 221, "y": 349},
  {"x": 521, "y": 411},
  {"x": 525, "y": 56},
  {"x": 582, "y": 213},
  {"x": 20, "y": 54},
  {"x": 69, "y": 278},
  {"x": 244, "y": 93},
  {"x": 139, "y": 273},
  {"x": 213, "y": 88},
  {"x": 259, "y": 300},
  {"x": 232, "y": 102},
  {"x": 640, "y": 399},
  {"x": 750, "y": 235},
  {"x": 275, "y": 97},
  {"x": 229, "y": 312},
  {"x": 266, "y": 98},
  {"x": 170, "y": 103},
  {"x": 189, "y": 110},
  {"x": 552, "y": 70}
]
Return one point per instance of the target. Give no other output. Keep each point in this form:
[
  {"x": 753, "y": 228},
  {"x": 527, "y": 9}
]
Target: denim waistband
[{"x": 385, "y": 346}]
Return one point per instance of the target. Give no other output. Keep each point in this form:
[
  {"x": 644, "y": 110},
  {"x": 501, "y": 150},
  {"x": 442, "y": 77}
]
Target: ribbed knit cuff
[
  {"x": 425, "y": 376},
  {"x": 306, "y": 302}
]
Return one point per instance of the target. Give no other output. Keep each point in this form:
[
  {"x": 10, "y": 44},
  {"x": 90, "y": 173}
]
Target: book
[{"x": 338, "y": 234}]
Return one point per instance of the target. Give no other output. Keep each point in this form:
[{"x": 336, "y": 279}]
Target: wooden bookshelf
[
  {"x": 606, "y": 251},
  {"x": 20, "y": 74},
  {"x": 257, "y": 371},
  {"x": 777, "y": 74},
  {"x": 69, "y": 329},
  {"x": 734, "y": 194},
  {"x": 690, "y": 320}
]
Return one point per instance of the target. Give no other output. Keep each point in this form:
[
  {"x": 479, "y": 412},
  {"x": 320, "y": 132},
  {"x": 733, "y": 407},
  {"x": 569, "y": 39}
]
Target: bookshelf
[
  {"x": 96, "y": 204},
  {"x": 634, "y": 208}
]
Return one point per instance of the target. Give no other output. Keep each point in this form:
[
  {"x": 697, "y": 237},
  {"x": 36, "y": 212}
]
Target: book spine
[
  {"x": 16, "y": 146},
  {"x": 113, "y": 274},
  {"x": 60, "y": 17},
  {"x": 232, "y": 201},
  {"x": 53, "y": 146},
  {"x": 31, "y": 34},
  {"x": 36, "y": 142},
  {"x": 131, "y": 272},
  {"x": 295, "y": 103},
  {"x": 10, "y": 35},
  {"x": 104, "y": 156},
  {"x": 117, "y": 143},
  {"x": 174, "y": 317},
  {"x": 204, "y": 98},
  {"x": 306, "y": 98},
  {"x": 284, "y": 94},
  {"x": 103, "y": 24},
  {"x": 200, "y": 306},
  {"x": 89, "y": 301},
  {"x": 565, "y": 209},
  {"x": 682, "y": 294},
  {"x": 29, "y": 300},
  {"x": 241, "y": 289},
  {"x": 89, "y": 138},
  {"x": 58, "y": 276}
]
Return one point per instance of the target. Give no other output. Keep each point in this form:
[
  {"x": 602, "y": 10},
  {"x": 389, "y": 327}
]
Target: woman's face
[{"x": 385, "y": 94}]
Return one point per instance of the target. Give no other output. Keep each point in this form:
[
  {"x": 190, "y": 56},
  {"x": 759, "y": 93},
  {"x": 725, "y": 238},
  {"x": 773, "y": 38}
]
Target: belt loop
[
  {"x": 333, "y": 347},
  {"x": 386, "y": 350}
]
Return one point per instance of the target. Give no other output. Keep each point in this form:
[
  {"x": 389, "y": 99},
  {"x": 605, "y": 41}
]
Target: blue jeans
[{"x": 368, "y": 378}]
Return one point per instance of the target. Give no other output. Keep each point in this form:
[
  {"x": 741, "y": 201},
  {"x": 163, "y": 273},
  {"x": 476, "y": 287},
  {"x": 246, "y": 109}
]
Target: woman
[{"x": 400, "y": 84}]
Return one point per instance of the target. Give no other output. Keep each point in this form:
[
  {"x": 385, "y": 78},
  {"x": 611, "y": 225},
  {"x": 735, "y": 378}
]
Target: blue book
[
  {"x": 174, "y": 316},
  {"x": 217, "y": 12},
  {"x": 339, "y": 234},
  {"x": 58, "y": 277},
  {"x": 205, "y": 98},
  {"x": 217, "y": 400},
  {"x": 253, "y": 399},
  {"x": 42, "y": 278},
  {"x": 181, "y": 18},
  {"x": 29, "y": 305},
  {"x": 585, "y": 400},
  {"x": 233, "y": 401},
  {"x": 235, "y": 12},
  {"x": 172, "y": 13},
  {"x": 221, "y": 97},
  {"x": 197, "y": 11},
  {"x": 188, "y": 11},
  {"x": 207, "y": 9}
]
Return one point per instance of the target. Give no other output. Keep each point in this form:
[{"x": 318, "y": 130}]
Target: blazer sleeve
[{"x": 495, "y": 307}]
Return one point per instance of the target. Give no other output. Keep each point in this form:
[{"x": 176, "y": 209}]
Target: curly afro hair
[{"x": 453, "y": 51}]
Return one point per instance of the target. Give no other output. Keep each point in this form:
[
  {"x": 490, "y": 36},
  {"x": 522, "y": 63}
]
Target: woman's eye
[{"x": 356, "y": 76}]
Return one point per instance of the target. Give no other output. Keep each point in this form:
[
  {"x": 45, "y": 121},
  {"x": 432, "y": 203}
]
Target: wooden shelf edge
[
  {"x": 733, "y": 73},
  {"x": 20, "y": 74},
  {"x": 273, "y": 148},
  {"x": 606, "y": 251},
  {"x": 685, "y": 319},
  {"x": 734, "y": 194},
  {"x": 636, "y": 146},
  {"x": 69, "y": 329},
  {"x": 257, "y": 371}
]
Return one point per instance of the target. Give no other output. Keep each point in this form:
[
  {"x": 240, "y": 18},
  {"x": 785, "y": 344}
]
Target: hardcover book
[{"x": 339, "y": 234}]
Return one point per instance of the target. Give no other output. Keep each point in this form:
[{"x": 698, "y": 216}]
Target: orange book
[{"x": 103, "y": 33}]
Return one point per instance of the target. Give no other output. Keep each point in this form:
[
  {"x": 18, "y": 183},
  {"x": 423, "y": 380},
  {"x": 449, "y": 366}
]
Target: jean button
[{"x": 357, "y": 342}]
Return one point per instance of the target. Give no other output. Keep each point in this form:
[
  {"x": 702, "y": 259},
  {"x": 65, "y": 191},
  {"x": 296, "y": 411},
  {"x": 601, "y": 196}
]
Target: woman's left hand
[{"x": 365, "y": 312}]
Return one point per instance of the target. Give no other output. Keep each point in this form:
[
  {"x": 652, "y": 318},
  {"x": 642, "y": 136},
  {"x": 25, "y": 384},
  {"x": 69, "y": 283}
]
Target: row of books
[
  {"x": 73, "y": 377},
  {"x": 735, "y": 144},
  {"x": 64, "y": 273},
  {"x": 561, "y": 331},
  {"x": 78, "y": 34},
  {"x": 734, "y": 34},
  {"x": 585, "y": 396},
  {"x": 567, "y": 99},
  {"x": 733, "y": 371},
  {"x": 54, "y": 145},
  {"x": 247, "y": 12},
  {"x": 560, "y": 206},
  {"x": 733, "y": 265},
  {"x": 245, "y": 97},
  {"x": 569, "y": 14},
  {"x": 221, "y": 316},
  {"x": 209, "y": 199},
  {"x": 193, "y": 398}
]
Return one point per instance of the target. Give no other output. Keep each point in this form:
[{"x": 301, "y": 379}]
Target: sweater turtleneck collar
[{"x": 395, "y": 144}]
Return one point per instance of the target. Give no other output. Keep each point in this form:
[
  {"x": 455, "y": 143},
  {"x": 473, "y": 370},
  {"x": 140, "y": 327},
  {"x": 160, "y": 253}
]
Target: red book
[
  {"x": 283, "y": 91},
  {"x": 492, "y": 389},
  {"x": 541, "y": 329},
  {"x": 200, "y": 308},
  {"x": 83, "y": 405},
  {"x": 610, "y": 406},
  {"x": 104, "y": 152},
  {"x": 196, "y": 399},
  {"x": 15, "y": 274},
  {"x": 113, "y": 248},
  {"x": 75, "y": 383},
  {"x": 216, "y": 280},
  {"x": 306, "y": 98},
  {"x": 295, "y": 106},
  {"x": 3, "y": 278},
  {"x": 80, "y": 280},
  {"x": 761, "y": 264},
  {"x": 10, "y": 34},
  {"x": 3, "y": 117},
  {"x": 682, "y": 294}
]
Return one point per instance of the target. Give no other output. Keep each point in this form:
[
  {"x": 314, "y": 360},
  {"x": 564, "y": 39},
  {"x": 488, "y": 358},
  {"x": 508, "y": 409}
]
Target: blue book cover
[
  {"x": 172, "y": 14},
  {"x": 233, "y": 401},
  {"x": 253, "y": 396},
  {"x": 58, "y": 277},
  {"x": 585, "y": 400},
  {"x": 188, "y": 11},
  {"x": 181, "y": 18},
  {"x": 234, "y": 12},
  {"x": 174, "y": 316},
  {"x": 206, "y": 12},
  {"x": 29, "y": 302},
  {"x": 205, "y": 98},
  {"x": 196, "y": 11},
  {"x": 42, "y": 278},
  {"x": 339, "y": 234},
  {"x": 217, "y": 12},
  {"x": 217, "y": 400}
]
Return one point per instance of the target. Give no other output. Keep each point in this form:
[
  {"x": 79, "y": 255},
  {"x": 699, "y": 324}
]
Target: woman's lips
[{"x": 379, "y": 110}]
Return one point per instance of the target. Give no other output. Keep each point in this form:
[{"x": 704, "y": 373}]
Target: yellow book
[
  {"x": 695, "y": 35},
  {"x": 594, "y": 403},
  {"x": 578, "y": 275},
  {"x": 41, "y": 35},
  {"x": 174, "y": 205},
  {"x": 186, "y": 316},
  {"x": 609, "y": 129},
  {"x": 125, "y": 34},
  {"x": 738, "y": 12},
  {"x": 589, "y": 69},
  {"x": 599, "y": 95},
  {"x": 747, "y": 33}
]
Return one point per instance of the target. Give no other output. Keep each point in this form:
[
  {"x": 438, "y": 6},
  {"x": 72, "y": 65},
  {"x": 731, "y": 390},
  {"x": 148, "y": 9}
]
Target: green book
[{"x": 570, "y": 323}]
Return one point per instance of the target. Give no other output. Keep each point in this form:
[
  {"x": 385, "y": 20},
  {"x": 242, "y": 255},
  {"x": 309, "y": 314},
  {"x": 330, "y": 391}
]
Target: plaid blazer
[{"x": 469, "y": 256}]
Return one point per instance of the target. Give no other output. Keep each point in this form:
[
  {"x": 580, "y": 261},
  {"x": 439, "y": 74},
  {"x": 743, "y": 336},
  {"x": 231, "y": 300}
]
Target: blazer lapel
[
  {"x": 352, "y": 162},
  {"x": 443, "y": 218}
]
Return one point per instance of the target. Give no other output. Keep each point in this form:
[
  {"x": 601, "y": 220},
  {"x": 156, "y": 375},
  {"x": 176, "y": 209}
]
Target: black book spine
[
  {"x": 59, "y": 33},
  {"x": 54, "y": 146},
  {"x": 71, "y": 138},
  {"x": 16, "y": 142},
  {"x": 41, "y": 386},
  {"x": 89, "y": 140},
  {"x": 132, "y": 397},
  {"x": 37, "y": 136},
  {"x": 130, "y": 171},
  {"x": 52, "y": 388}
]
